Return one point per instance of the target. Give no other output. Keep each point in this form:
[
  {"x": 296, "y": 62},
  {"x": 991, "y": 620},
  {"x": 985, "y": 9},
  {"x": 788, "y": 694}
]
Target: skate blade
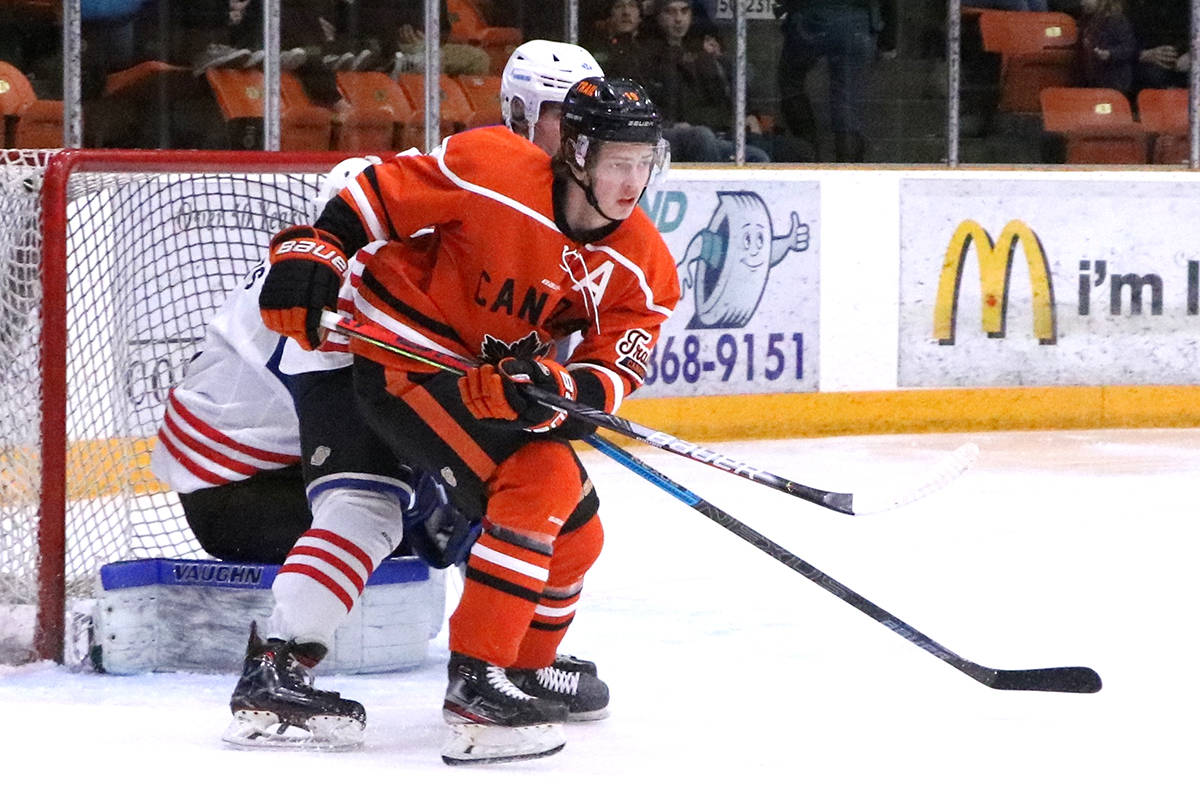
[
  {"x": 258, "y": 730},
  {"x": 587, "y": 716},
  {"x": 496, "y": 744}
]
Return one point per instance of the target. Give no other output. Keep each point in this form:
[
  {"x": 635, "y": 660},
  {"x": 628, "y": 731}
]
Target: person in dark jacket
[
  {"x": 1162, "y": 30},
  {"x": 1108, "y": 46},
  {"x": 848, "y": 34}
]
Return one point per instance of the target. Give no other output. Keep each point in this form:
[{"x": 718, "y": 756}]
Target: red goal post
[{"x": 111, "y": 262}]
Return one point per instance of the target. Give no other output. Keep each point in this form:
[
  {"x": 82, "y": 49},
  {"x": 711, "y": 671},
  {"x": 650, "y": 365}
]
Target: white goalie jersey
[{"x": 232, "y": 416}]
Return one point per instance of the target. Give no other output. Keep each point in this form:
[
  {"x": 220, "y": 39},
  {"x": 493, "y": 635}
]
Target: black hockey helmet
[
  {"x": 611, "y": 110},
  {"x": 600, "y": 109}
]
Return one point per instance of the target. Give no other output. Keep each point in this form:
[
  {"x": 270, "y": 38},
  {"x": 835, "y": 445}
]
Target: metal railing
[{"x": 73, "y": 114}]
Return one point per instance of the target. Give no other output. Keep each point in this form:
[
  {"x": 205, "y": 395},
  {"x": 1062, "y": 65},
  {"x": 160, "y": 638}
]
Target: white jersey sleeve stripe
[
  {"x": 638, "y": 273},
  {"x": 216, "y": 436},
  {"x": 616, "y": 386}
]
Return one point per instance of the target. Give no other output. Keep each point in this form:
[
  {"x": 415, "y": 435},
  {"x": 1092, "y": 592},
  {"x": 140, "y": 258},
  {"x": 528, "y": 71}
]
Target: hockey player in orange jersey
[{"x": 529, "y": 250}]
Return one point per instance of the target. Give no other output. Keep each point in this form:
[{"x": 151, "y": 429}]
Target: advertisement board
[
  {"x": 747, "y": 254},
  {"x": 1036, "y": 282}
]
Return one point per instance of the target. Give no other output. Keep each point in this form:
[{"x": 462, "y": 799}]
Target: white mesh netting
[{"x": 149, "y": 258}]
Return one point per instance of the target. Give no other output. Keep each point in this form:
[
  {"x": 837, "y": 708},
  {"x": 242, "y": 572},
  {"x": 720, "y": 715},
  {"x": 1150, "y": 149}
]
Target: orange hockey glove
[
  {"x": 496, "y": 391},
  {"x": 307, "y": 265}
]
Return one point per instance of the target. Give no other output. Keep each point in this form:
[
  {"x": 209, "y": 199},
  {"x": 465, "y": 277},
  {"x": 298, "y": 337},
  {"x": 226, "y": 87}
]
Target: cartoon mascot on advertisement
[{"x": 727, "y": 263}]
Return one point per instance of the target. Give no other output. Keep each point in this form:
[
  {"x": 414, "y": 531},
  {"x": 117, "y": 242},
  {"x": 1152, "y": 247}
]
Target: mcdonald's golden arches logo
[{"x": 995, "y": 265}]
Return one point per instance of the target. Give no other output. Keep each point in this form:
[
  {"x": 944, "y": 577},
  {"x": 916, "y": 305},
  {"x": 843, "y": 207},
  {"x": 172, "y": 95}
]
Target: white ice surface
[{"x": 731, "y": 674}]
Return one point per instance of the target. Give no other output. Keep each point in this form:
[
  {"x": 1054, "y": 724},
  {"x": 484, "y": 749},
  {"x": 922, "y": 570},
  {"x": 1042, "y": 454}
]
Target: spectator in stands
[
  {"x": 848, "y": 34},
  {"x": 689, "y": 82},
  {"x": 1108, "y": 46},
  {"x": 616, "y": 43},
  {"x": 1162, "y": 31},
  {"x": 394, "y": 30}
]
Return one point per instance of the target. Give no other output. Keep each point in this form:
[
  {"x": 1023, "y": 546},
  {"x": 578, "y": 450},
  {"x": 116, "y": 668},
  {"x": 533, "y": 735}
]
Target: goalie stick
[
  {"x": 949, "y": 468},
  {"x": 1050, "y": 679}
]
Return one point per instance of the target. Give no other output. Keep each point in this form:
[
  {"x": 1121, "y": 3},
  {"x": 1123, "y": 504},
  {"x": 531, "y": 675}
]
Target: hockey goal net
[{"x": 111, "y": 262}]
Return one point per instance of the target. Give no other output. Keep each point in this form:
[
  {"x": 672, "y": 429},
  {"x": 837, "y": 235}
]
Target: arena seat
[
  {"x": 483, "y": 93},
  {"x": 1164, "y": 115},
  {"x": 468, "y": 26},
  {"x": 1096, "y": 124},
  {"x": 1036, "y": 50},
  {"x": 29, "y": 123},
  {"x": 456, "y": 110},
  {"x": 379, "y": 111},
  {"x": 136, "y": 105},
  {"x": 239, "y": 93}
]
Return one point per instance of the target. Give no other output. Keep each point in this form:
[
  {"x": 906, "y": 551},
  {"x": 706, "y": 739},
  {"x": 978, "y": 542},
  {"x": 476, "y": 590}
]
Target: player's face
[
  {"x": 619, "y": 174},
  {"x": 545, "y": 130}
]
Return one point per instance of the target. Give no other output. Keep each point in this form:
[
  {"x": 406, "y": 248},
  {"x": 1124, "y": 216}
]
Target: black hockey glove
[{"x": 307, "y": 265}]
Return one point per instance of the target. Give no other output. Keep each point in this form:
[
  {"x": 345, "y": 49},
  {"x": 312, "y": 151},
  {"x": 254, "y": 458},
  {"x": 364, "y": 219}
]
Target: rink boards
[{"x": 842, "y": 301}]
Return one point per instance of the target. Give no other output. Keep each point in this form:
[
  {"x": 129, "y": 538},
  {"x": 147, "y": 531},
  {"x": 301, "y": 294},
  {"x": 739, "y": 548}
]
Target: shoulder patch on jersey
[{"x": 633, "y": 353}]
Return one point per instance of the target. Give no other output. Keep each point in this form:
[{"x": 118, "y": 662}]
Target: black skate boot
[
  {"x": 275, "y": 705},
  {"x": 491, "y": 720},
  {"x": 569, "y": 680},
  {"x": 573, "y": 664}
]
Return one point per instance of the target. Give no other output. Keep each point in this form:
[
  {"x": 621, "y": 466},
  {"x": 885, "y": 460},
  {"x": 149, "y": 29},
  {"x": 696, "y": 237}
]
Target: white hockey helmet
[
  {"x": 337, "y": 178},
  {"x": 541, "y": 71}
]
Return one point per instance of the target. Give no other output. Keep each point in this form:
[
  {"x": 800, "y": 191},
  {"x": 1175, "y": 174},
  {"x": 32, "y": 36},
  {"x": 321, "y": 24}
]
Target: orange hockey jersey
[{"x": 502, "y": 276}]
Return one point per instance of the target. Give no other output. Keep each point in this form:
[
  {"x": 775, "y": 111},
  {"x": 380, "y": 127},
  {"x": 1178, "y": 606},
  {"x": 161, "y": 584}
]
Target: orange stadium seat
[
  {"x": 456, "y": 110},
  {"x": 468, "y": 26},
  {"x": 483, "y": 92},
  {"x": 379, "y": 111},
  {"x": 1036, "y": 49},
  {"x": 1164, "y": 114},
  {"x": 138, "y": 76},
  {"x": 239, "y": 93},
  {"x": 133, "y": 100},
  {"x": 28, "y": 122},
  {"x": 1097, "y": 125}
]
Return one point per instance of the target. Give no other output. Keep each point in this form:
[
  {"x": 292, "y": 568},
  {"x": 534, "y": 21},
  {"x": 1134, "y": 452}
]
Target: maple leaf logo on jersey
[{"x": 529, "y": 346}]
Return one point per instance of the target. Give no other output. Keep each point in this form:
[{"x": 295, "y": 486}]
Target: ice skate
[
  {"x": 569, "y": 680},
  {"x": 573, "y": 664},
  {"x": 275, "y": 705},
  {"x": 491, "y": 720}
]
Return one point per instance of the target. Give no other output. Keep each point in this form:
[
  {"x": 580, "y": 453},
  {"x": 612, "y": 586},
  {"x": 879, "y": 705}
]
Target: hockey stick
[
  {"x": 949, "y": 468},
  {"x": 1051, "y": 679},
  {"x": 1048, "y": 679}
]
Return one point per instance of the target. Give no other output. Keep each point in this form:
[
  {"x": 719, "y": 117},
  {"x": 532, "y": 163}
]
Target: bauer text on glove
[{"x": 307, "y": 265}]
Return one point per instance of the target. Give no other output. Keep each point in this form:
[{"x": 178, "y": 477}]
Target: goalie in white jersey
[{"x": 230, "y": 443}]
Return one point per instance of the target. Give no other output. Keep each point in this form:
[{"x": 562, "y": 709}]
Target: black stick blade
[{"x": 1080, "y": 680}]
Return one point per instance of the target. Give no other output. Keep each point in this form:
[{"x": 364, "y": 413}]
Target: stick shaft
[
  {"x": 1053, "y": 679},
  {"x": 382, "y": 337}
]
